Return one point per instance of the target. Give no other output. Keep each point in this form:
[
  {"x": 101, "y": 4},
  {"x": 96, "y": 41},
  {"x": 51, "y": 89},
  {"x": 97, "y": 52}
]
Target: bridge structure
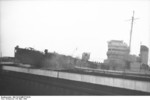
[{"x": 16, "y": 80}]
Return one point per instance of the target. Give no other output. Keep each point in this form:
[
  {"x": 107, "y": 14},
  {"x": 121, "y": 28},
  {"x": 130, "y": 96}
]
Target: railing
[{"x": 125, "y": 72}]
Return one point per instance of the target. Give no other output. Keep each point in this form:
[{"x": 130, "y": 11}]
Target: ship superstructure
[
  {"x": 117, "y": 51},
  {"x": 118, "y": 57}
]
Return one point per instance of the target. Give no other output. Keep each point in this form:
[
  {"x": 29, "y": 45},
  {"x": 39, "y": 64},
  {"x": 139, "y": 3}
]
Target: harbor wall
[{"x": 137, "y": 85}]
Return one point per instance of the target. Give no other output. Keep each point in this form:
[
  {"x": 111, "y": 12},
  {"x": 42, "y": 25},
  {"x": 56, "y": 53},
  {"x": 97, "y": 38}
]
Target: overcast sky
[{"x": 64, "y": 25}]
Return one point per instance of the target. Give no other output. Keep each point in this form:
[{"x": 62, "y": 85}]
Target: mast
[{"x": 132, "y": 20}]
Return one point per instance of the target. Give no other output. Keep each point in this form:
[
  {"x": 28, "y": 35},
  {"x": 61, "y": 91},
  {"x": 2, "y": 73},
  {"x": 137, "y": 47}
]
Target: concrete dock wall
[{"x": 101, "y": 80}]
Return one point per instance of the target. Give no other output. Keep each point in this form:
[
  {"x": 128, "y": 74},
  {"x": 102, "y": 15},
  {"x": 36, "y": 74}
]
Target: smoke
[{"x": 57, "y": 62}]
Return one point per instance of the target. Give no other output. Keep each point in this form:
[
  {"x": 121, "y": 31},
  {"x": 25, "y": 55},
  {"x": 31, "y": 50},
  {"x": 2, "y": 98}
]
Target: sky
[{"x": 72, "y": 27}]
